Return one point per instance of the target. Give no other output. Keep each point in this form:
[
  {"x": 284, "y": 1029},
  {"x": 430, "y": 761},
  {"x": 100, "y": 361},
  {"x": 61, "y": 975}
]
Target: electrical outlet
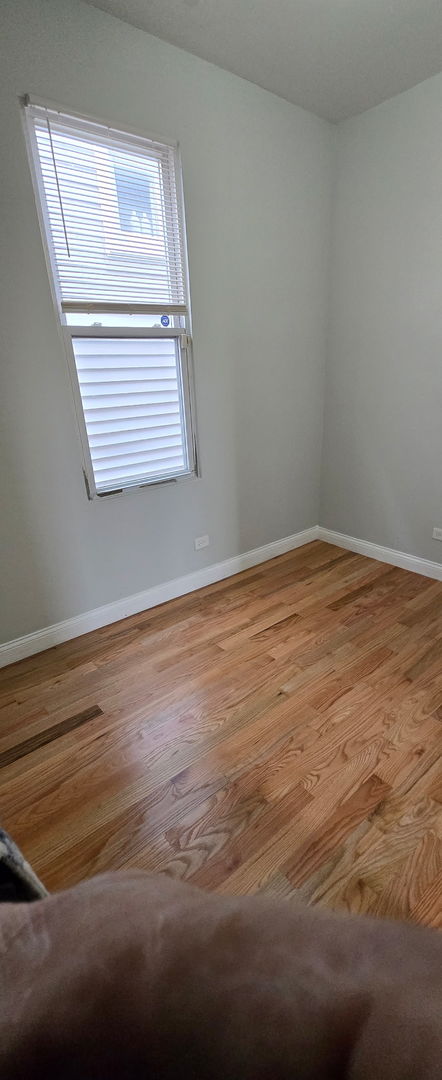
[
  {"x": 437, "y": 534},
  {"x": 201, "y": 542}
]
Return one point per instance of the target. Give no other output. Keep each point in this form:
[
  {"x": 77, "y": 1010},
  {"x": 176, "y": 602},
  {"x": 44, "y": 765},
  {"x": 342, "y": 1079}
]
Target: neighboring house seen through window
[{"x": 133, "y": 194}]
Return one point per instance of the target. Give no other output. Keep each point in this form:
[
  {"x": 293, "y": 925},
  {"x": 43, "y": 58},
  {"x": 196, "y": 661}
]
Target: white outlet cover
[
  {"x": 437, "y": 534},
  {"x": 201, "y": 542}
]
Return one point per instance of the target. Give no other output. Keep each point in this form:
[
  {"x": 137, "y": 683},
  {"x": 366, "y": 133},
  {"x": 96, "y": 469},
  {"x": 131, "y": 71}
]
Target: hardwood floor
[{"x": 280, "y": 731}]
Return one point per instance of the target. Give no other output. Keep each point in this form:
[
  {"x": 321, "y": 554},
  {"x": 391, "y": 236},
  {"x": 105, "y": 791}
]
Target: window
[{"x": 113, "y": 223}]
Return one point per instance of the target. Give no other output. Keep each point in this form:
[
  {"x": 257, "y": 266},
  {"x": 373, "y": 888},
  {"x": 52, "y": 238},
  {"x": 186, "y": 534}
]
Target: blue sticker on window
[{"x": 165, "y": 320}]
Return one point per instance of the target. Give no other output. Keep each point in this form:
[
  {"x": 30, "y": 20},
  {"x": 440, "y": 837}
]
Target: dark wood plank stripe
[{"x": 48, "y": 735}]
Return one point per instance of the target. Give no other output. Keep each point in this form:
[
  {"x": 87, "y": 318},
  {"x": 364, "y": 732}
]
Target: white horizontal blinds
[
  {"x": 113, "y": 213},
  {"x": 132, "y": 401}
]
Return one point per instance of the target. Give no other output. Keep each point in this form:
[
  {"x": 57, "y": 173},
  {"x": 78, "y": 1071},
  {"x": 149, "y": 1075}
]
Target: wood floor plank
[
  {"x": 254, "y": 873},
  {"x": 344, "y": 819},
  {"x": 406, "y": 888},
  {"x": 428, "y": 910},
  {"x": 211, "y": 852},
  {"x": 378, "y": 857},
  {"x": 279, "y": 731}
]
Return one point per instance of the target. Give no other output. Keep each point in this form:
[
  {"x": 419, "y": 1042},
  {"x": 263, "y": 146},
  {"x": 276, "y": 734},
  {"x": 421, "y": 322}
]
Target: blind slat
[
  {"x": 127, "y": 381},
  {"x": 116, "y": 454},
  {"x": 130, "y": 472},
  {"x": 138, "y": 414},
  {"x": 133, "y": 436},
  {"x": 111, "y": 400}
]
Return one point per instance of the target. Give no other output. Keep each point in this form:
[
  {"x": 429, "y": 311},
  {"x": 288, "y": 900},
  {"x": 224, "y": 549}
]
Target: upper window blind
[{"x": 113, "y": 213}]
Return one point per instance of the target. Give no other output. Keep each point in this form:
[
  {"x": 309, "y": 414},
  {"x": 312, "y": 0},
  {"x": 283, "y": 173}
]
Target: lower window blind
[{"x": 132, "y": 397}]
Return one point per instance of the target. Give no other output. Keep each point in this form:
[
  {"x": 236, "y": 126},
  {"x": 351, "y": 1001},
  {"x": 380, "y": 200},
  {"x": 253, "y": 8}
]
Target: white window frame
[{"x": 70, "y": 331}]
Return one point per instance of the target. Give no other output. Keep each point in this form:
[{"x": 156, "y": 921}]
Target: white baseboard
[
  {"x": 46, "y": 638},
  {"x": 36, "y": 642},
  {"x": 382, "y": 554}
]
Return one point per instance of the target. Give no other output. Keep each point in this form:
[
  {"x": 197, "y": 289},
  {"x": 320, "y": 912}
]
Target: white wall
[
  {"x": 257, "y": 189},
  {"x": 382, "y": 472}
]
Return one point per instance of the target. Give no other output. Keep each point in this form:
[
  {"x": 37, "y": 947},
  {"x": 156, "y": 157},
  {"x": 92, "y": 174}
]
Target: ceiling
[{"x": 334, "y": 57}]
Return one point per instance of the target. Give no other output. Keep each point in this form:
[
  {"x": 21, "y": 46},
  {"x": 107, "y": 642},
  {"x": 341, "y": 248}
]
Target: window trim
[{"x": 69, "y": 331}]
